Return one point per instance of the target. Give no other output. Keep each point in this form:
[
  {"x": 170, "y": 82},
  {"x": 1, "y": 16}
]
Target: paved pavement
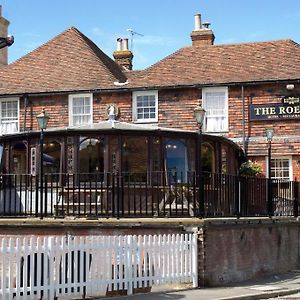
[{"x": 283, "y": 286}]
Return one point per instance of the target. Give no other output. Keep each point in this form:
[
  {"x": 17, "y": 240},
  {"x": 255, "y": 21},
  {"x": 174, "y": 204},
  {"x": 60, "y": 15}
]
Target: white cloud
[
  {"x": 256, "y": 34},
  {"x": 229, "y": 41},
  {"x": 153, "y": 40},
  {"x": 97, "y": 31},
  {"x": 32, "y": 34}
]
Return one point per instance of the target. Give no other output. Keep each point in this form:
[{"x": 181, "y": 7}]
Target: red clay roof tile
[
  {"x": 217, "y": 64},
  {"x": 70, "y": 61}
]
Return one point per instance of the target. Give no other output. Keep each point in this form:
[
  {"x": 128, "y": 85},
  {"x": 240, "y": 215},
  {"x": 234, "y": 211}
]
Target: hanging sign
[{"x": 289, "y": 109}]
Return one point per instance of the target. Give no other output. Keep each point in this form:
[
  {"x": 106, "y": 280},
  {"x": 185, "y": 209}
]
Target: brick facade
[{"x": 176, "y": 108}]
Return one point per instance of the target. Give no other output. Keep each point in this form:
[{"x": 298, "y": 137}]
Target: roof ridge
[
  {"x": 255, "y": 43},
  {"x": 165, "y": 58},
  {"x": 93, "y": 48},
  {"x": 45, "y": 44}
]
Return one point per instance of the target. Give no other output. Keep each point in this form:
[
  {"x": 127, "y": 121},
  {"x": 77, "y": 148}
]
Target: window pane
[
  {"x": 177, "y": 163},
  {"x": 81, "y": 110},
  {"x": 135, "y": 158},
  {"x": 280, "y": 168},
  {"x": 216, "y": 111},
  {"x": 146, "y": 107}
]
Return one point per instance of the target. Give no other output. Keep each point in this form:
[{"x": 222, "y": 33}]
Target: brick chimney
[
  {"x": 202, "y": 35},
  {"x": 123, "y": 56},
  {"x": 3, "y": 33}
]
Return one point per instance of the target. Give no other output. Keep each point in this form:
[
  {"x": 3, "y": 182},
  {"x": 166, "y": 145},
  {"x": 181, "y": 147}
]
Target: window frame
[
  {"x": 135, "y": 94},
  {"x": 290, "y": 160},
  {"x": 11, "y": 99},
  {"x": 211, "y": 90},
  {"x": 70, "y": 107}
]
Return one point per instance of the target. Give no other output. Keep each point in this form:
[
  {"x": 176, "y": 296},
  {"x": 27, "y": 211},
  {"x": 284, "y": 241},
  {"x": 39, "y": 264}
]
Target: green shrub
[{"x": 250, "y": 168}]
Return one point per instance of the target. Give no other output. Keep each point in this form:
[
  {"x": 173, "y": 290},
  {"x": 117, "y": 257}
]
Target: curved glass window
[
  {"x": 176, "y": 160},
  {"x": 224, "y": 166},
  {"x": 91, "y": 155},
  {"x": 135, "y": 158},
  {"x": 51, "y": 157},
  {"x": 19, "y": 158},
  {"x": 208, "y": 158}
]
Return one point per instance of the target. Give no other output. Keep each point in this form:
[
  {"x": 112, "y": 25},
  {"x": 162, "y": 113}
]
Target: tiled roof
[
  {"x": 216, "y": 64},
  {"x": 70, "y": 61}
]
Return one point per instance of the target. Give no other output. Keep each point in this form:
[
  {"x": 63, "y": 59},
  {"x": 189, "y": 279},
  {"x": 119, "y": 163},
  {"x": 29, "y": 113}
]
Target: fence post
[
  {"x": 296, "y": 196},
  {"x": 238, "y": 196},
  {"x": 270, "y": 198},
  {"x": 194, "y": 255},
  {"x": 129, "y": 265}
]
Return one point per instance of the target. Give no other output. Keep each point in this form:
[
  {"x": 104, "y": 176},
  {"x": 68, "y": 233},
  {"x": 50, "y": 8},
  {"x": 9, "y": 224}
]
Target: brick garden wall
[
  {"x": 233, "y": 251},
  {"x": 229, "y": 251}
]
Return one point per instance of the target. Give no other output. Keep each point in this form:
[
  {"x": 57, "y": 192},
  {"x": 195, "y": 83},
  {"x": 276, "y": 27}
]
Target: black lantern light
[{"x": 42, "y": 120}]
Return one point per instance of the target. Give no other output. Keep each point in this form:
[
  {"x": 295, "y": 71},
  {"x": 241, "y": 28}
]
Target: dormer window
[
  {"x": 80, "y": 109},
  {"x": 145, "y": 107},
  {"x": 9, "y": 116}
]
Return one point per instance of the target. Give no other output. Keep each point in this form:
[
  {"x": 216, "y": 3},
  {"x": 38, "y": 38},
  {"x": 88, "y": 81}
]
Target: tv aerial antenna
[{"x": 132, "y": 33}]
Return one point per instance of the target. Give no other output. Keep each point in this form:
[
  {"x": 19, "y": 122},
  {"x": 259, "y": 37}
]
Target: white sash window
[
  {"x": 215, "y": 102},
  {"x": 281, "y": 168},
  {"x": 9, "y": 116},
  {"x": 80, "y": 109},
  {"x": 145, "y": 106}
]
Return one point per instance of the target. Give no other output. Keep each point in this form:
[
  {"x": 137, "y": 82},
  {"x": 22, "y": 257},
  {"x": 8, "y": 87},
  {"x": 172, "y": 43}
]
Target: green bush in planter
[{"x": 250, "y": 168}]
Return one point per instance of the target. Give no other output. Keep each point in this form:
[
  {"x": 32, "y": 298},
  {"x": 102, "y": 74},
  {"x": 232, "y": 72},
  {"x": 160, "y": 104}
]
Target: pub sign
[{"x": 289, "y": 109}]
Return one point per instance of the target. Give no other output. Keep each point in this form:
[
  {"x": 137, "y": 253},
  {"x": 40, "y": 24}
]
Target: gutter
[{"x": 158, "y": 87}]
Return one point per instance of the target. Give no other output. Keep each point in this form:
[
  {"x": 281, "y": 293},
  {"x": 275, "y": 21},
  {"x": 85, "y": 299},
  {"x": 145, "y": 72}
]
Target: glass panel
[
  {"x": 135, "y": 157},
  {"x": 9, "y": 116},
  {"x": 114, "y": 154},
  {"x": 208, "y": 158},
  {"x": 146, "y": 107},
  {"x": 176, "y": 160},
  {"x": 51, "y": 157},
  {"x": 19, "y": 158},
  {"x": 91, "y": 155},
  {"x": 216, "y": 112},
  {"x": 81, "y": 110},
  {"x": 224, "y": 160},
  {"x": 280, "y": 168}
]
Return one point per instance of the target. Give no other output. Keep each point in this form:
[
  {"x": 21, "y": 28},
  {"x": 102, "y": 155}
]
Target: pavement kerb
[
  {"x": 256, "y": 296},
  {"x": 263, "y": 295}
]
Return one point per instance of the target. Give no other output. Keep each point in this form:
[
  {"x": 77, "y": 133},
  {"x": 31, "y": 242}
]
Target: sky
[{"x": 165, "y": 24}]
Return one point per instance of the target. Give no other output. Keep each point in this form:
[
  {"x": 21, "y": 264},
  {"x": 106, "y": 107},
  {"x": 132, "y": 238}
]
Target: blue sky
[{"x": 165, "y": 24}]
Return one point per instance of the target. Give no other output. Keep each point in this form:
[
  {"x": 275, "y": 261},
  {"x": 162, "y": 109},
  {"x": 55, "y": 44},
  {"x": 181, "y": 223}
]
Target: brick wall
[
  {"x": 176, "y": 109},
  {"x": 248, "y": 249}
]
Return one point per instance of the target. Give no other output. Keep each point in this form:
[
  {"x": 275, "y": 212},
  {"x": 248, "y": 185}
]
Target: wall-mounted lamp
[{"x": 6, "y": 41}]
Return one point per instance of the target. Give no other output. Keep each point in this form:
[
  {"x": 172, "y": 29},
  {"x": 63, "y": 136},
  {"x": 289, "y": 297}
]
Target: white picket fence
[{"x": 49, "y": 267}]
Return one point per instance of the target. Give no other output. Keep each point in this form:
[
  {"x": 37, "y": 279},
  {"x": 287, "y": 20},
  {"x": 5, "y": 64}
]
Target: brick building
[
  {"x": 244, "y": 88},
  {"x": 227, "y": 80}
]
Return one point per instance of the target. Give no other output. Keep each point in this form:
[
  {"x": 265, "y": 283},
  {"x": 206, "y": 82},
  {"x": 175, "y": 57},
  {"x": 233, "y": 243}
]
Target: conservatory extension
[{"x": 115, "y": 169}]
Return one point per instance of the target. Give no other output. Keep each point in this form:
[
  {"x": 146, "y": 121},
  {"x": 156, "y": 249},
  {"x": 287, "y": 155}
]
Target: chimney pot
[
  {"x": 126, "y": 44},
  {"x": 119, "y": 44},
  {"x": 198, "y": 25},
  {"x": 123, "y": 56},
  {"x": 202, "y": 35},
  {"x": 206, "y": 25}
]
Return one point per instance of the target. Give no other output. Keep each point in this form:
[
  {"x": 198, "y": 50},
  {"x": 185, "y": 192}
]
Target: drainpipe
[
  {"x": 25, "y": 111},
  {"x": 243, "y": 120}
]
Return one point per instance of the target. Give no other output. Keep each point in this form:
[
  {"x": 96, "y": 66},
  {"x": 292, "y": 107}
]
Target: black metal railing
[{"x": 152, "y": 194}]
